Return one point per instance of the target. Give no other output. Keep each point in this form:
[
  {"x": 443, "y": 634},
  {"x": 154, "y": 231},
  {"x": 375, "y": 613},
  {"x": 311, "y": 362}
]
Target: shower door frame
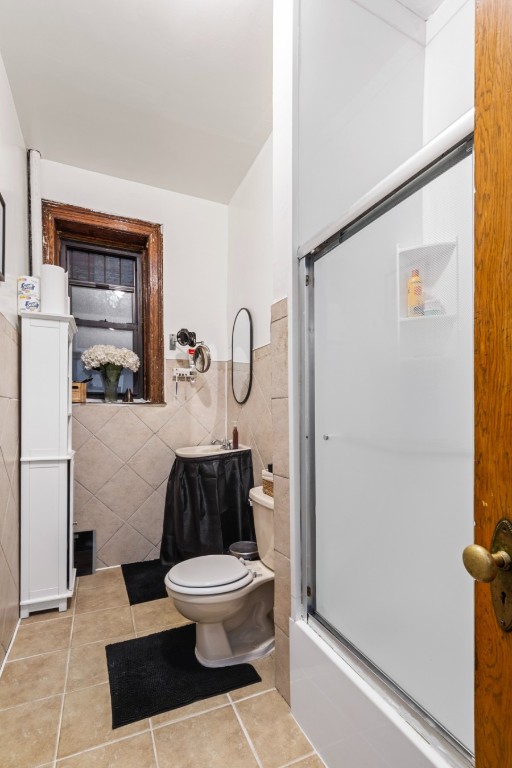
[{"x": 450, "y": 148}]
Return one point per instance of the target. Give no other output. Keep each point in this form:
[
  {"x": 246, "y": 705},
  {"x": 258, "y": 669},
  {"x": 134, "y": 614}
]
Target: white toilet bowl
[{"x": 230, "y": 600}]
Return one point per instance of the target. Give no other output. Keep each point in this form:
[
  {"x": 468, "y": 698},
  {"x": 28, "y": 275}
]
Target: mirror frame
[{"x": 241, "y": 402}]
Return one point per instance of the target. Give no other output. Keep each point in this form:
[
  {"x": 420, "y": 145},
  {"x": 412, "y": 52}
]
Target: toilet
[{"x": 231, "y": 600}]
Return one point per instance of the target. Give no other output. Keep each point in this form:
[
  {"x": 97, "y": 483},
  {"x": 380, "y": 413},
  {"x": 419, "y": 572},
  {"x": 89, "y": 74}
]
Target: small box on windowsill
[{"x": 78, "y": 392}]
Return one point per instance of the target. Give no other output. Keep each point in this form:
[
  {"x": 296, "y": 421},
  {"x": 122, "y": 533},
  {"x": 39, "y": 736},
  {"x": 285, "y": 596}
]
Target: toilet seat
[{"x": 208, "y": 575}]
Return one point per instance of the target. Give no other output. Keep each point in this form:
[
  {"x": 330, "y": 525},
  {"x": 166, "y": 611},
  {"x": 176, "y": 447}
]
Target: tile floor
[{"x": 55, "y": 700}]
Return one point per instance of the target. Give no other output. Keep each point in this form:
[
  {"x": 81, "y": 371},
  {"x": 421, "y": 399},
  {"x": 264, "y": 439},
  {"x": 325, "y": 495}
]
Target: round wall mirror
[{"x": 241, "y": 356}]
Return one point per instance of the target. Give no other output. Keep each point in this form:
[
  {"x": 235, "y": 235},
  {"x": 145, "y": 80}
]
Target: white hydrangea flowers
[{"x": 106, "y": 354}]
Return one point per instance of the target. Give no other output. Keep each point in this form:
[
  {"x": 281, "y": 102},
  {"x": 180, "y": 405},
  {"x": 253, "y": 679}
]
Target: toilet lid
[{"x": 211, "y": 573}]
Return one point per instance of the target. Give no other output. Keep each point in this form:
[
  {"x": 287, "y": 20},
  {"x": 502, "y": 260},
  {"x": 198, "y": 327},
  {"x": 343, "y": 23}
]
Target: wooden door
[{"x": 493, "y": 363}]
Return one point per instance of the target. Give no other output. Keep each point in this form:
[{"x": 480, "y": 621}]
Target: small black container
[
  {"x": 247, "y": 550},
  {"x": 85, "y": 552}
]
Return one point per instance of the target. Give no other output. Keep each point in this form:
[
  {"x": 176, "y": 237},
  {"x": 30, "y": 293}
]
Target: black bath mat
[
  {"x": 144, "y": 581},
  {"x": 156, "y": 673}
]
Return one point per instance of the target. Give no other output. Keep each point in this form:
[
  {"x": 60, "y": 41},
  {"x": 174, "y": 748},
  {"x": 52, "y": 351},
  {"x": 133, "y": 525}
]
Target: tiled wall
[
  {"x": 279, "y": 365},
  {"x": 9, "y": 483},
  {"x": 124, "y": 454},
  {"x": 263, "y": 423},
  {"x": 254, "y": 417}
]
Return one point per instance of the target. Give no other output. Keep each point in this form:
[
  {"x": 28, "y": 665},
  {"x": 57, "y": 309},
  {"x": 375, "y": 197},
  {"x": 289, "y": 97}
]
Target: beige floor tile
[
  {"x": 88, "y": 664},
  {"x": 100, "y": 625},
  {"x": 87, "y": 721},
  {"x": 191, "y": 709},
  {"x": 156, "y": 615},
  {"x": 213, "y": 739},
  {"x": 310, "y": 762},
  {"x": 29, "y": 733},
  {"x": 101, "y": 579},
  {"x": 34, "y": 678},
  {"x": 111, "y": 595},
  {"x": 41, "y": 638},
  {"x": 135, "y": 752},
  {"x": 265, "y": 669},
  {"x": 274, "y": 733}
]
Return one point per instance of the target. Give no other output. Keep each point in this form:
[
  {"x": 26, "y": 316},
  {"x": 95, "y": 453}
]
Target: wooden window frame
[{"x": 62, "y": 221}]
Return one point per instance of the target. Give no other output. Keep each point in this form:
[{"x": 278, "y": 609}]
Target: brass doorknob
[{"x": 483, "y": 566}]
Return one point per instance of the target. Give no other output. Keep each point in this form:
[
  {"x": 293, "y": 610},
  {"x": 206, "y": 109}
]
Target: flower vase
[{"x": 110, "y": 374}]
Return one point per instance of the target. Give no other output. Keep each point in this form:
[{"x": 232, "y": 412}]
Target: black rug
[
  {"x": 144, "y": 581},
  {"x": 160, "y": 672}
]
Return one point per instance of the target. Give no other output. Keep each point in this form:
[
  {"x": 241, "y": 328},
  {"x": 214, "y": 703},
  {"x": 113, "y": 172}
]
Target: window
[
  {"x": 115, "y": 270},
  {"x": 104, "y": 288}
]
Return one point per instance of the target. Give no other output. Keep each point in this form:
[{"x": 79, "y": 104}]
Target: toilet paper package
[
  {"x": 29, "y": 304},
  {"x": 29, "y": 294},
  {"x": 29, "y": 286}
]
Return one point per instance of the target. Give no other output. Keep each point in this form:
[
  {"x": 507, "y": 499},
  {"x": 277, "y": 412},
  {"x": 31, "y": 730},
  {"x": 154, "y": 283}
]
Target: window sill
[{"x": 97, "y": 401}]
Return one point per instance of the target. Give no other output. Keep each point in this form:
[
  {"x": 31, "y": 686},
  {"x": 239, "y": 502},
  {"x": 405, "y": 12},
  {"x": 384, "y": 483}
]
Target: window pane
[
  {"x": 86, "y": 337},
  {"x": 78, "y": 265},
  {"x": 101, "y": 304},
  {"x": 113, "y": 270},
  {"x": 99, "y": 269},
  {"x": 128, "y": 272}
]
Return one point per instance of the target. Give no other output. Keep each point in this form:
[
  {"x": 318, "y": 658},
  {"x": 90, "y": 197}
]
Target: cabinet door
[
  {"x": 44, "y": 536},
  {"x": 45, "y": 384}
]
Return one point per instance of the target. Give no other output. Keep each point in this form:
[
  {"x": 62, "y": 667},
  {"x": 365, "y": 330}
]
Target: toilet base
[
  {"x": 232, "y": 627},
  {"x": 265, "y": 649}
]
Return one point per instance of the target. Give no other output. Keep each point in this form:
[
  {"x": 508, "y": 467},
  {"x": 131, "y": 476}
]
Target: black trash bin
[
  {"x": 247, "y": 550},
  {"x": 85, "y": 552}
]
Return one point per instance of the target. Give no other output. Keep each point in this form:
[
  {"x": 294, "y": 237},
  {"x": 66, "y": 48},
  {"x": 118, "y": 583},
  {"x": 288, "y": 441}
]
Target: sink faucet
[{"x": 225, "y": 443}]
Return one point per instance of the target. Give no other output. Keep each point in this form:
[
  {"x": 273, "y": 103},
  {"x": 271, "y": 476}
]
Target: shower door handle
[{"x": 495, "y": 566}]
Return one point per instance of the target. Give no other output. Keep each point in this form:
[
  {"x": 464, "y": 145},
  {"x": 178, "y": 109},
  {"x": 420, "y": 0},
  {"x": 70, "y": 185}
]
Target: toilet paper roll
[
  {"x": 53, "y": 290},
  {"x": 66, "y": 293}
]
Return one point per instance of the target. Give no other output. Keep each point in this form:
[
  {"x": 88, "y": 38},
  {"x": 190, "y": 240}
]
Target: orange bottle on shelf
[{"x": 415, "y": 295}]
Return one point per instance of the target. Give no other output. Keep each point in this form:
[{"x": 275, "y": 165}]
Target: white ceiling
[{"x": 172, "y": 93}]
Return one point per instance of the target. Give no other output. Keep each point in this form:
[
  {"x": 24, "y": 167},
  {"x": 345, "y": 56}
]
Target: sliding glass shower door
[{"x": 393, "y": 444}]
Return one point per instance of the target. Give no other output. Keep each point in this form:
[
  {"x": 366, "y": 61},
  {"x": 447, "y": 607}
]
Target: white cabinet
[{"x": 47, "y": 574}]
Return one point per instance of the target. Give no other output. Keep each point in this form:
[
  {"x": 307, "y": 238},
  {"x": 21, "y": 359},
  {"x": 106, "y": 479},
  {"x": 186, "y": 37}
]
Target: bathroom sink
[{"x": 203, "y": 451}]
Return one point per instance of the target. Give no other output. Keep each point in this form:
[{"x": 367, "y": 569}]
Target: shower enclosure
[{"x": 388, "y": 436}]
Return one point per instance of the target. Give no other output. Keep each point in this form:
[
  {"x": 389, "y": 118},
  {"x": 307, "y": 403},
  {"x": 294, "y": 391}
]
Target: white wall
[
  {"x": 449, "y": 66},
  {"x": 13, "y": 187},
  {"x": 360, "y": 105},
  {"x": 371, "y": 91},
  {"x": 195, "y": 233},
  {"x": 285, "y": 125},
  {"x": 249, "y": 271}
]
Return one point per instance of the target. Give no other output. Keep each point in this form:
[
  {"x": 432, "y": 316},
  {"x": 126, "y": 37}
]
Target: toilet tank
[{"x": 263, "y": 512}]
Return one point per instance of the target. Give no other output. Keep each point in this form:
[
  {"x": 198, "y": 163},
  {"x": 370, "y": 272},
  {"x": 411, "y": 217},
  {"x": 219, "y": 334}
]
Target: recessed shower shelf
[{"x": 438, "y": 269}]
